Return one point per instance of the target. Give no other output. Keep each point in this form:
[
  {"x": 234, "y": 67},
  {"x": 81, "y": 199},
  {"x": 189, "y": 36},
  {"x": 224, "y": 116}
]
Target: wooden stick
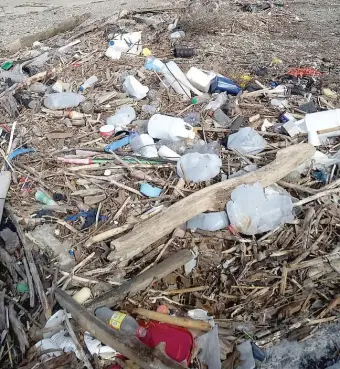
[
  {"x": 2, "y": 311},
  {"x": 64, "y": 26},
  {"x": 201, "y": 325},
  {"x": 29, "y": 282},
  {"x": 316, "y": 196},
  {"x": 128, "y": 346},
  {"x": 142, "y": 281},
  {"x": 108, "y": 234},
  {"x": 76, "y": 342},
  {"x": 33, "y": 268},
  {"x": 183, "y": 290},
  {"x": 18, "y": 329},
  {"x": 210, "y": 198}
]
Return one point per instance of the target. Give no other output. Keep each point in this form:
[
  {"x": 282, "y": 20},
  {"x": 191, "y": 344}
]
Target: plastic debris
[
  {"x": 247, "y": 141},
  {"x": 209, "y": 221},
  {"x": 196, "y": 167},
  {"x": 254, "y": 210},
  {"x": 149, "y": 190}
]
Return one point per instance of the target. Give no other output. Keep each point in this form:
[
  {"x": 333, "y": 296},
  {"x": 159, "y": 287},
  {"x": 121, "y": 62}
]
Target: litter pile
[{"x": 156, "y": 211}]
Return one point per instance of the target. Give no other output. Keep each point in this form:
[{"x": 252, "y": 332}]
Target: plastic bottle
[
  {"x": 63, "y": 100},
  {"x": 198, "y": 167},
  {"x": 200, "y": 99},
  {"x": 121, "y": 322},
  {"x": 193, "y": 118},
  {"x": 221, "y": 118},
  {"x": 88, "y": 83},
  {"x": 134, "y": 88},
  {"x": 169, "y": 128},
  {"x": 166, "y": 153},
  {"x": 144, "y": 145},
  {"x": 44, "y": 198},
  {"x": 209, "y": 221},
  {"x": 178, "y": 147},
  {"x": 199, "y": 79},
  {"x": 247, "y": 141},
  {"x": 123, "y": 116},
  {"x": 221, "y": 99}
]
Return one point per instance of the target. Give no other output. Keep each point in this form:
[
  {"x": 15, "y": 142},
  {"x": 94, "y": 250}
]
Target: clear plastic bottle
[
  {"x": 221, "y": 99},
  {"x": 178, "y": 146},
  {"x": 221, "y": 118},
  {"x": 88, "y": 83},
  {"x": 123, "y": 116},
  {"x": 193, "y": 118},
  {"x": 200, "y": 99},
  {"x": 121, "y": 322},
  {"x": 63, "y": 100}
]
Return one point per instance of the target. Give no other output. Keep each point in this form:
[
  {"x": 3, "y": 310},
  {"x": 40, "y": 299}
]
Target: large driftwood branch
[
  {"x": 116, "y": 295},
  {"x": 210, "y": 198},
  {"x": 128, "y": 346}
]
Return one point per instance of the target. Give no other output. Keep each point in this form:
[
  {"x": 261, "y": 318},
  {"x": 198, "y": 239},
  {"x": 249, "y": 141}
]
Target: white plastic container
[
  {"x": 169, "y": 128},
  {"x": 166, "y": 153},
  {"x": 63, "y": 100},
  {"x": 322, "y": 125},
  {"x": 198, "y": 167},
  {"x": 144, "y": 145},
  {"x": 209, "y": 221},
  {"x": 130, "y": 43},
  {"x": 134, "y": 88},
  {"x": 88, "y": 83},
  {"x": 5, "y": 181},
  {"x": 200, "y": 79},
  {"x": 123, "y": 116}
]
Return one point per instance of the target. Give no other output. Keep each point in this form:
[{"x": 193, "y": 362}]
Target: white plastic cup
[
  {"x": 200, "y": 79},
  {"x": 169, "y": 128}
]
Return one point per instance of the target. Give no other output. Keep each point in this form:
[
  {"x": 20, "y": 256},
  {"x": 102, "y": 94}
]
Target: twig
[
  {"x": 316, "y": 196},
  {"x": 76, "y": 342}
]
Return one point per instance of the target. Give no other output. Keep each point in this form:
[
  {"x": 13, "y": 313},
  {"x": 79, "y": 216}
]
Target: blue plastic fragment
[
  {"x": 117, "y": 144},
  {"x": 18, "y": 152},
  {"x": 149, "y": 190}
]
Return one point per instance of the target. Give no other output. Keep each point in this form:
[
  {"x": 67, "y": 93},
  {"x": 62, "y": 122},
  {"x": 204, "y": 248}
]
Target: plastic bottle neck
[{"x": 142, "y": 332}]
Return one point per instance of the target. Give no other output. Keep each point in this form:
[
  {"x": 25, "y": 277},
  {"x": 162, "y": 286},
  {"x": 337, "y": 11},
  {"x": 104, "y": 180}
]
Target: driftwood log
[
  {"x": 210, "y": 198},
  {"x": 140, "y": 282},
  {"x": 128, "y": 346}
]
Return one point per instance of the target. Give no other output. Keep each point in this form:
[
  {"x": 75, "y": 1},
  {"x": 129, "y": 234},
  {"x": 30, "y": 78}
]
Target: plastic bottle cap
[
  {"x": 81, "y": 89},
  {"x": 111, "y": 43},
  {"x": 194, "y": 100}
]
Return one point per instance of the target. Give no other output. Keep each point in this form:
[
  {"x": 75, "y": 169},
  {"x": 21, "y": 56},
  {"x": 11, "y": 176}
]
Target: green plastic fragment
[
  {"x": 22, "y": 287},
  {"x": 7, "y": 65}
]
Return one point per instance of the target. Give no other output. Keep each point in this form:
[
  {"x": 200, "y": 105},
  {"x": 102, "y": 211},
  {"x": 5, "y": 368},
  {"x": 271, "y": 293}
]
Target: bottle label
[{"x": 116, "y": 319}]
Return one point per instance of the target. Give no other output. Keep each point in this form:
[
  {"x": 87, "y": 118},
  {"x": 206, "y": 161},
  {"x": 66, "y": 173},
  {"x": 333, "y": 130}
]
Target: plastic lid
[
  {"x": 194, "y": 100},
  {"x": 111, "y": 43}
]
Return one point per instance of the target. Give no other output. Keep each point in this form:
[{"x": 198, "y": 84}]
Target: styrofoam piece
[
  {"x": 247, "y": 141},
  {"x": 82, "y": 295},
  {"x": 199, "y": 79},
  {"x": 55, "y": 320},
  {"x": 169, "y": 128},
  {"x": 322, "y": 125},
  {"x": 166, "y": 153},
  {"x": 134, "y": 88}
]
